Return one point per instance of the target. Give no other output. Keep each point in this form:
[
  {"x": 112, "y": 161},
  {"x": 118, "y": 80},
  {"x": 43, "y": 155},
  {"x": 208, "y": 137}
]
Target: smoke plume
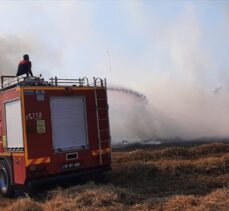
[
  {"x": 187, "y": 92},
  {"x": 201, "y": 113},
  {"x": 175, "y": 54}
]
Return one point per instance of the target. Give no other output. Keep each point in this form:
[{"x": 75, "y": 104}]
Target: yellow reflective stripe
[
  {"x": 19, "y": 154},
  {"x": 5, "y": 154},
  {"x": 38, "y": 161},
  {"x": 41, "y": 88},
  {"x": 94, "y": 153},
  {"x": 104, "y": 151}
]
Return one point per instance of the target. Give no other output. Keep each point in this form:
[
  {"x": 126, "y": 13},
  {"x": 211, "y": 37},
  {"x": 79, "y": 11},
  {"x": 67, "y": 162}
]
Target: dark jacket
[{"x": 24, "y": 67}]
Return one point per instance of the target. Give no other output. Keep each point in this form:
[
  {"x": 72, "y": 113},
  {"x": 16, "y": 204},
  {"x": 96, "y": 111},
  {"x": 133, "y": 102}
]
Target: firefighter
[{"x": 24, "y": 67}]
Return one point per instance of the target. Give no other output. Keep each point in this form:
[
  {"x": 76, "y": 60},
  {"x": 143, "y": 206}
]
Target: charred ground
[{"x": 148, "y": 178}]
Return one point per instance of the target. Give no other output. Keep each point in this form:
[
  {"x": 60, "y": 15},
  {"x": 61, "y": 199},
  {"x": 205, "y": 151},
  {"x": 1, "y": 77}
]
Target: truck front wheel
[{"x": 6, "y": 188}]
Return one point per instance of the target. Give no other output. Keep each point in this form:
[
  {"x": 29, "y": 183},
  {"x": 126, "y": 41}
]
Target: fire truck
[{"x": 52, "y": 130}]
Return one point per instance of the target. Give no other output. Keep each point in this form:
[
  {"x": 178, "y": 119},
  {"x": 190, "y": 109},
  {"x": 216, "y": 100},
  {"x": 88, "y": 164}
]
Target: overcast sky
[{"x": 175, "y": 52}]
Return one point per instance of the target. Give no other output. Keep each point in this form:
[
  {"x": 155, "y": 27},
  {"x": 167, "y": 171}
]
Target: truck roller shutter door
[{"x": 68, "y": 123}]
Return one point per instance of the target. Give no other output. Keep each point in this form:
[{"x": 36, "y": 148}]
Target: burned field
[{"x": 153, "y": 178}]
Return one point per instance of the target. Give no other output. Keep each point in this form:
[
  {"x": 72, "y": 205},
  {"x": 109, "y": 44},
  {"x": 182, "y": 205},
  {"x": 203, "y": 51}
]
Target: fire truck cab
[{"x": 52, "y": 130}]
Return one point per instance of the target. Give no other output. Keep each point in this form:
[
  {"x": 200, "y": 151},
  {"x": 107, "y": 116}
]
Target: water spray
[{"x": 128, "y": 92}]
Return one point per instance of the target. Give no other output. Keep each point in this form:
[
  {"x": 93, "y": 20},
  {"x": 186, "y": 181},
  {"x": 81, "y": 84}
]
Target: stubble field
[{"x": 153, "y": 178}]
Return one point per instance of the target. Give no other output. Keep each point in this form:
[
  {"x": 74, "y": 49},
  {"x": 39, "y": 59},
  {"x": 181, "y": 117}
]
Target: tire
[{"x": 6, "y": 188}]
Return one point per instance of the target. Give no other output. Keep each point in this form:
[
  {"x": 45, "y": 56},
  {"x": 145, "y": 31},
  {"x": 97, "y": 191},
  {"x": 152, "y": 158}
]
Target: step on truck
[{"x": 52, "y": 130}]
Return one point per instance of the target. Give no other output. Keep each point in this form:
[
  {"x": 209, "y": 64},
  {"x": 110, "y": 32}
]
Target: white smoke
[
  {"x": 173, "y": 59},
  {"x": 179, "y": 89}
]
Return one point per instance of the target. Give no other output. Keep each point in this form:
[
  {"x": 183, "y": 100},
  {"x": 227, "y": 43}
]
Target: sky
[{"x": 173, "y": 52}]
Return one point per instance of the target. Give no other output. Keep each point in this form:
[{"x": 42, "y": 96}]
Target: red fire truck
[{"x": 52, "y": 130}]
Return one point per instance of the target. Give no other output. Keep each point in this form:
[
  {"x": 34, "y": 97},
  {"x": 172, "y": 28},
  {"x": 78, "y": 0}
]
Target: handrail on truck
[
  {"x": 9, "y": 81},
  {"x": 97, "y": 82}
]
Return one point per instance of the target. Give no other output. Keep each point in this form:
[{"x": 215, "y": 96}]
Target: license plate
[{"x": 70, "y": 166}]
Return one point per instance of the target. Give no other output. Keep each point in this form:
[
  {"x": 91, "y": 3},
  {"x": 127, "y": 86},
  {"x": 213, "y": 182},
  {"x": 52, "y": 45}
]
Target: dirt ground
[{"x": 149, "y": 178}]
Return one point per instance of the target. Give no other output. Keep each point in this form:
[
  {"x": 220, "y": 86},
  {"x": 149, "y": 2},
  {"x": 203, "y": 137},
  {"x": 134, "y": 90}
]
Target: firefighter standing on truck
[{"x": 24, "y": 66}]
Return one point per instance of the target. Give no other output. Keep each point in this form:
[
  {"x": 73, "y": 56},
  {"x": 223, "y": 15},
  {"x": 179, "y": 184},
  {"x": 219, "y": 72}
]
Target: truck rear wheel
[{"x": 6, "y": 188}]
